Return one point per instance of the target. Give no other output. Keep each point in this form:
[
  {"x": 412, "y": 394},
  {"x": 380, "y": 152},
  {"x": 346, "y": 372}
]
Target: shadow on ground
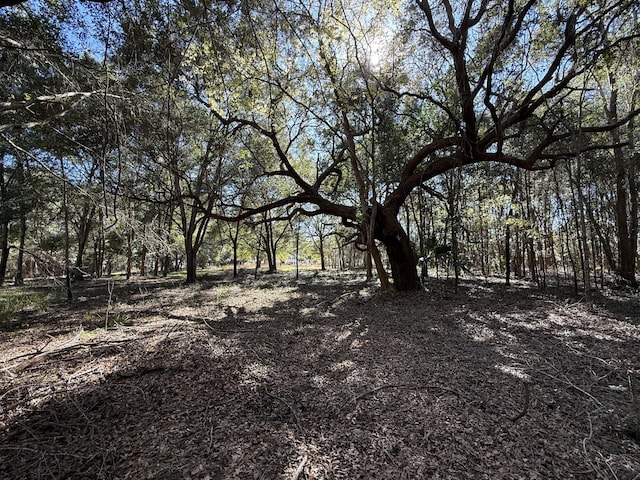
[{"x": 325, "y": 378}]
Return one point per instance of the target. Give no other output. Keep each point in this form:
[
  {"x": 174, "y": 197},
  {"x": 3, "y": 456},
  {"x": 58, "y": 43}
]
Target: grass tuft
[{"x": 14, "y": 301}]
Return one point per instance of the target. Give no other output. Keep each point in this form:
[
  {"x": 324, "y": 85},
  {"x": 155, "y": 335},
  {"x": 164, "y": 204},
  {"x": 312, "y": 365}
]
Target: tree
[
  {"x": 319, "y": 228},
  {"x": 58, "y": 108},
  {"x": 499, "y": 77},
  {"x": 625, "y": 161}
]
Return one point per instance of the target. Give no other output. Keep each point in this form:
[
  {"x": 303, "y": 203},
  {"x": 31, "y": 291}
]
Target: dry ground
[{"x": 321, "y": 379}]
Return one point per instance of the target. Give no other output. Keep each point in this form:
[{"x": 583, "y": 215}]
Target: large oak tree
[{"x": 326, "y": 84}]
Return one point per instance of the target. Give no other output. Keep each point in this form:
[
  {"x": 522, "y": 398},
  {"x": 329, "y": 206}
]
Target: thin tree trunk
[
  {"x": 586, "y": 272},
  {"x": 4, "y": 226},
  {"x": 4, "y": 250},
  {"x": 143, "y": 260},
  {"x": 19, "y": 278},
  {"x": 297, "y": 254},
  {"x": 452, "y": 212},
  {"x": 580, "y": 241},
  {"x": 84, "y": 229},
  {"x": 165, "y": 266},
  {"x": 321, "y": 249},
  {"x": 67, "y": 241},
  {"x": 234, "y": 241},
  {"x": 507, "y": 236},
  {"x": 257, "y": 256},
  {"x": 572, "y": 262},
  {"x": 368, "y": 264},
  {"x": 99, "y": 246},
  {"x": 130, "y": 235},
  {"x": 507, "y": 254}
]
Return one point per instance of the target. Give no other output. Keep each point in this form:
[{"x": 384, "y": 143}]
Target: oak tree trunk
[
  {"x": 191, "y": 254},
  {"x": 4, "y": 226},
  {"x": 399, "y": 251},
  {"x": 626, "y": 207}
]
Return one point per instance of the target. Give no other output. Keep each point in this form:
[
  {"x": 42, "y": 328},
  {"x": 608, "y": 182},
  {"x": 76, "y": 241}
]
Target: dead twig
[
  {"x": 30, "y": 354},
  {"x": 40, "y": 357},
  {"x": 572, "y": 385},
  {"x": 634, "y": 391},
  {"x": 290, "y": 407},
  {"x": 525, "y": 408}
]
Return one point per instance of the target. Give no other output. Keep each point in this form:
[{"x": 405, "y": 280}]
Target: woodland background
[{"x": 148, "y": 137}]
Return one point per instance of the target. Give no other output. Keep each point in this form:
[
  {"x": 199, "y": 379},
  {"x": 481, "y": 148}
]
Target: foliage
[{"x": 403, "y": 121}]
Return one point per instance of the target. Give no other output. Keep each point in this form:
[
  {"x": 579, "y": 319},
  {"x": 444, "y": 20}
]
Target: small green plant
[
  {"x": 120, "y": 319},
  {"x": 94, "y": 318},
  {"x": 90, "y": 316}
]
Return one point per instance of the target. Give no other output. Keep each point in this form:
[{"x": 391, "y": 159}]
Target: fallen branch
[
  {"x": 39, "y": 356},
  {"x": 300, "y": 468},
  {"x": 148, "y": 371},
  {"x": 572, "y": 385},
  {"x": 30, "y": 354},
  {"x": 404, "y": 386},
  {"x": 333, "y": 301}
]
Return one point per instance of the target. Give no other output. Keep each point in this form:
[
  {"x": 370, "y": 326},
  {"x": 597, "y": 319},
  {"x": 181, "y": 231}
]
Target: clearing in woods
[{"x": 321, "y": 379}]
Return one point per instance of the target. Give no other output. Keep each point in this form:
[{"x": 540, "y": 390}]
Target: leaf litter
[{"x": 323, "y": 378}]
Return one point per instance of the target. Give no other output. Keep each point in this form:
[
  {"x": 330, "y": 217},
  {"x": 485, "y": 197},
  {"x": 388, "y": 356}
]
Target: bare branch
[{"x": 10, "y": 3}]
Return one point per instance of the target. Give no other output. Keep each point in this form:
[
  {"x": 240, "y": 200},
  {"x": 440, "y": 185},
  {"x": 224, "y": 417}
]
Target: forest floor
[{"x": 322, "y": 378}]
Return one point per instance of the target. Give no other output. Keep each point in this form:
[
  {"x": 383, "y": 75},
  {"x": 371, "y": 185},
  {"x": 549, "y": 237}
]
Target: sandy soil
[{"x": 323, "y": 378}]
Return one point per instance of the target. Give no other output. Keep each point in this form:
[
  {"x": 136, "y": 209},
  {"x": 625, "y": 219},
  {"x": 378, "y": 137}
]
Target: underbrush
[{"x": 14, "y": 301}]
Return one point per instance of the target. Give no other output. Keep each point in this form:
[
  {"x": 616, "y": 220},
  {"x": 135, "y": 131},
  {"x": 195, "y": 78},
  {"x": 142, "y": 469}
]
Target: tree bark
[
  {"x": 4, "y": 226},
  {"x": 191, "y": 253},
  {"x": 130, "y": 235},
  {"x": 626, "y": 245},
  {"x": 582, "y": 224},
  {"x": 398, "y": 247},
  {"x": 4, "y": 250},
  {"x": 99, "y": 246},
  {"x": 19, "y": 278},
  {"x": 321, "y": 250},
  {"x": 143, "y": 260},
  {"x": 84, "y": 229},
  {"x": 626, "y": 208},
  {"x": 67, "y": 240},
  {"x": 235, "y": 253}
]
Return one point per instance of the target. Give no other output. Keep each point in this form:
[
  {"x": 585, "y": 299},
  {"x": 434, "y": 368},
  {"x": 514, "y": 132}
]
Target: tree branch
[{"x": 10, "y": 3}]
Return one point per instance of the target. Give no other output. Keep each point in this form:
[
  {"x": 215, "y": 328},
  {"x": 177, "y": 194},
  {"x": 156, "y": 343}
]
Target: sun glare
[{"x": 376, "y": 53}]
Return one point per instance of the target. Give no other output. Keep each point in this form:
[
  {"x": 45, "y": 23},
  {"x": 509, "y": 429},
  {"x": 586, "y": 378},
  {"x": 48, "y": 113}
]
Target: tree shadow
[{"x": 256, "y": 380}]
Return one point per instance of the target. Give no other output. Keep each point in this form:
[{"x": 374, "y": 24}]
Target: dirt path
[{"x": 325, "y": 379}]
